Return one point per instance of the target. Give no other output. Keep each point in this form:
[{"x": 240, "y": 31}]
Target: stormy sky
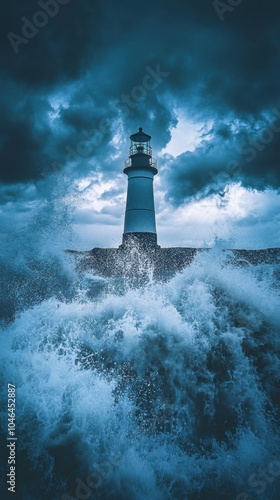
[{"x": 200, "y": 76}]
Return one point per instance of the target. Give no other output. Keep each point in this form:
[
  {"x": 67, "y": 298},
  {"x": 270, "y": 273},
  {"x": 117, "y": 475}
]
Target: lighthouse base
[
  {"x": 141, "y": 240},
  {"x": 124, "y": 262}
]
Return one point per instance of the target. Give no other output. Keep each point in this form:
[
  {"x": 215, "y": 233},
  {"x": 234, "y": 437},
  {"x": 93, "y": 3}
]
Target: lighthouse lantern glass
[
  {"x": 138, "y": 147},
  {"x": 140, "y": 143}
]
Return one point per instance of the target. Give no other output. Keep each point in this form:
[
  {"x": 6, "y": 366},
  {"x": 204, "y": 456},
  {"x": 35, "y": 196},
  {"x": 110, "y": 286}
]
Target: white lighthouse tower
[{"x": 140, "y": 168}]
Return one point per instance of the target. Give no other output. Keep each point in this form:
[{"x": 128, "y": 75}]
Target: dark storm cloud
[
  {"x": 92, "y": 56},
  {"x": 24, "y": 129},
  {"x": 248, "y": 154},
  {"x": 55, "y": 52}
]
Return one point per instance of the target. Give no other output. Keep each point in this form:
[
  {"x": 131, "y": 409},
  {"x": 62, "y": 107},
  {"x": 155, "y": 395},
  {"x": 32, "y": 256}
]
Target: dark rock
[{"x": 140, "y": 259}]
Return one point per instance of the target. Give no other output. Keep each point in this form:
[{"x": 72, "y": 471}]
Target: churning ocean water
[{"x": 158, "y": 391}]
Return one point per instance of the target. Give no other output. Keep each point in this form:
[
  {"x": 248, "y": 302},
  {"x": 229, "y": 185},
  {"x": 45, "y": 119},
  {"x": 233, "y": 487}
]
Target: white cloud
[
  {"x": 243, "y": 218},
  {"x": 185, "y": 136},
  {"x": 91, "y": 190}
]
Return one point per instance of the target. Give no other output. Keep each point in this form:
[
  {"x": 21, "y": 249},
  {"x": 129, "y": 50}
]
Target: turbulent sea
[{"x": 157, "y": 391}]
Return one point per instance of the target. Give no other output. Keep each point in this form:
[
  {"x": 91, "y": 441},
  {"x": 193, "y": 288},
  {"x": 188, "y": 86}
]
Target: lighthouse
[
  {"x": 151, "y": 261},
  {"x": 140, "y": 168}
]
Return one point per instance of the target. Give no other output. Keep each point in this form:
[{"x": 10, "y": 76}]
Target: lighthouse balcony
[{"x": 151, "y": 162}]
